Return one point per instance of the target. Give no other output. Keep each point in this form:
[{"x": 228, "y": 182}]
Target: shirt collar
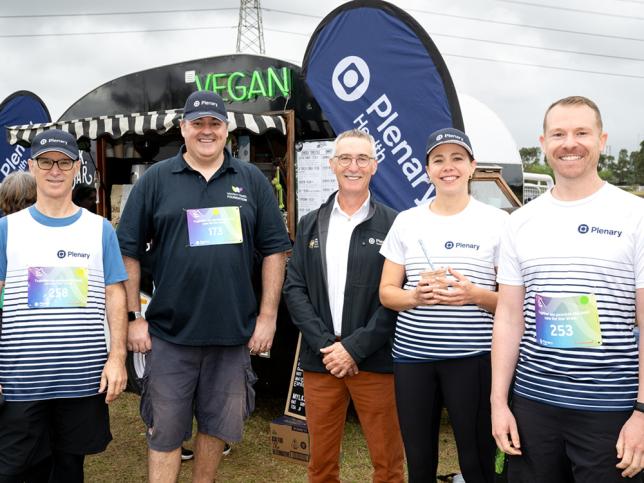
[
  {"x": 179, "y": 163},
  {"x": 362, "y": 211}
]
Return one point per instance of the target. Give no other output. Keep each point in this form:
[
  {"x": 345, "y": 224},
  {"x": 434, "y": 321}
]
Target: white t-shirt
[
  {"x": 341, "y": 228},
  {"x": 468, "y": 242},
  {"x": 589, "y": 246}
]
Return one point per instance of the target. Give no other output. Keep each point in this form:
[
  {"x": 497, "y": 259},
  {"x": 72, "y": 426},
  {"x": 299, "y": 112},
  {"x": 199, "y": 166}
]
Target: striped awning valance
[{"x": 155, "y": 121}]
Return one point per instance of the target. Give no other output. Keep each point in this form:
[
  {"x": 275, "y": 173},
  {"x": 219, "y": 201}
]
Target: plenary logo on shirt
[
  {"x": 584, "y": 229},
  {"x": 468, "y": 246},
  {"x": 71, "y": 254},
  {"x": 238, "y": 193}
]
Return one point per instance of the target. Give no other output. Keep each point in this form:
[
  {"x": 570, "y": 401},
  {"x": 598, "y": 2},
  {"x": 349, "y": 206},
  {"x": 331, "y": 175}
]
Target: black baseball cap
[
  {"x": 204, "y": 104},
  {"x": 449, "y": 135},
  {"x": 54, "y": 140}
]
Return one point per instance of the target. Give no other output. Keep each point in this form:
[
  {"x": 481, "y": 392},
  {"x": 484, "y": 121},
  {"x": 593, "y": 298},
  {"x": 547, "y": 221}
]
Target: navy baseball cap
[
  {"x": 449, "y": 135},
  {"x": 54, "y": 140},
  {"x": 204, "y": 104}
]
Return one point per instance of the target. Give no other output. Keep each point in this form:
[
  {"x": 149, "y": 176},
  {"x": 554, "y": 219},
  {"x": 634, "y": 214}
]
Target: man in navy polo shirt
[{"x": 205, "y": 215}]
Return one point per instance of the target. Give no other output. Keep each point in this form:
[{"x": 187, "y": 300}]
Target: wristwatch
[
  {"x": 132, "y": 316},
  {"x": 639, "y": 406}
]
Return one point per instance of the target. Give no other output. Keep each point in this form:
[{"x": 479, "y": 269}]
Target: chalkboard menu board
[{"x": 295, "y": 405}]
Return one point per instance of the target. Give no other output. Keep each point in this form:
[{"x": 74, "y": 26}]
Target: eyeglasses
[
  {"x": 362, "y": 160},
  {"x": 63, "y": 164}
]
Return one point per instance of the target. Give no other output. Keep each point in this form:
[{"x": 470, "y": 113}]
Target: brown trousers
[{"x": 327, "y": 400}]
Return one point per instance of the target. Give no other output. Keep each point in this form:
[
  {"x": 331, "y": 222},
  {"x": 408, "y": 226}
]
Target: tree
[
  {"x": 623, "y": 169},
  {"x": 530, "y": 156},
  {"x": 633, "y": 164},
  {"x": 605, "y": 167},
  {"x": 638, "y": 165},
  {"x": 538, "y": 168},
  {"x": 605, "y": 162}
]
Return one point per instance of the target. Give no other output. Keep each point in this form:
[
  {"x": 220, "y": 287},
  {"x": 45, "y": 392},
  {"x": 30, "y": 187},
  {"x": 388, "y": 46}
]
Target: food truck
[{"x": 132, "y": 121}]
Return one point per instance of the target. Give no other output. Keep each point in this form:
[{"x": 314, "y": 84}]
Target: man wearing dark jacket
[{"x": 331, "y": 290}]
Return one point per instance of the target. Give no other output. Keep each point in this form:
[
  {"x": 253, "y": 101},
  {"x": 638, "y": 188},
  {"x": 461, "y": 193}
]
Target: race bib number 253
[{"x": 569, "y": 321}]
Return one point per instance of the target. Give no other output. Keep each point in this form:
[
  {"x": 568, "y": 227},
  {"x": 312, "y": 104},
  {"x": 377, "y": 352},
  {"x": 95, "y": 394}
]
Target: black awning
[{"x": 155, "y": 121}]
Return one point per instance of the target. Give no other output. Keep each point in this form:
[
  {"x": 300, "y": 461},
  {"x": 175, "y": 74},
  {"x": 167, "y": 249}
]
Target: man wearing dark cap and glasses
[
  {"x": 62, "y": 270},
  {"x": 206, "y": 215}
]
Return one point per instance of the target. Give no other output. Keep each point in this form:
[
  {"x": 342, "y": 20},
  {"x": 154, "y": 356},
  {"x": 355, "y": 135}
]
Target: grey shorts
[{"x": 213, "y": 383}]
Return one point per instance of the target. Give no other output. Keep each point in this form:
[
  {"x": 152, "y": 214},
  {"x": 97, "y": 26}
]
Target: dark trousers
[
  {"x": 45, "y": 441},
  {"x": 59, "y": 468},
  {"x": 465, "y": 388},
  {"x": 562, "y": 445}
]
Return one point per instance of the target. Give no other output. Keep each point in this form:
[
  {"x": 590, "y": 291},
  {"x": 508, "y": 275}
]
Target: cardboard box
[{"x": 290, "y": 439}]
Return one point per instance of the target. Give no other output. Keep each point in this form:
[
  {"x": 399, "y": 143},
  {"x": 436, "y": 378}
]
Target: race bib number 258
[{"x": 56, "y": 287}]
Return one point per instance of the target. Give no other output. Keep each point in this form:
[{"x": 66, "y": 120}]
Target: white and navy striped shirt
[
  {"x": 589, "y": 246},
  {"x": 467, "y": 242},
  {"x": 51, "y": 352}
]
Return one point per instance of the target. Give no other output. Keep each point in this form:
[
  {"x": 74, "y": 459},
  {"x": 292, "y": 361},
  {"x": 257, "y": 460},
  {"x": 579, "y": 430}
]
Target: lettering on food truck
[{"x": 242, "y": 86}]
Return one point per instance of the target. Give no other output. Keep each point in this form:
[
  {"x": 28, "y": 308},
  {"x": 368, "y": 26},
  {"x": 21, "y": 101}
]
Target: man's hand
[
  {"x": 138, "y": 336},
  {"x": 113, "y": 378},
  {"x": 504, "y": 430},
  {"x": 262, "y": 338},
  {"x": 338, "y": 361},
  {"x": 630, "y": 445}
]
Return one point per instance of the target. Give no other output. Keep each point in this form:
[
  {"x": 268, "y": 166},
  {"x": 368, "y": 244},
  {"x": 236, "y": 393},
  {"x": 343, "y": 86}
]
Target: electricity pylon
[{"x": 250, "y": 32}]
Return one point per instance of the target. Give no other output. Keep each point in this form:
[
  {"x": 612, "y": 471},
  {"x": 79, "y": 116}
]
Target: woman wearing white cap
[{"x": 439, "y": 274}]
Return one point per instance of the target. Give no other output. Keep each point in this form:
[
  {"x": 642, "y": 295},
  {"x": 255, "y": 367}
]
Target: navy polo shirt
[{"x": 204, "y": 294}]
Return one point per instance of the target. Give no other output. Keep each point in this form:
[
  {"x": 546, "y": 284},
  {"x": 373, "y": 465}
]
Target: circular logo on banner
[
  {"x": 583, "y": 228},
  {"x": 449, "y": 245},
  {"x": 350, "y": 78},
  {"x": 61, "y": 253}
]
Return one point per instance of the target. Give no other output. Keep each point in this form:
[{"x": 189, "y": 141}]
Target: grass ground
[{"x": 250, "y": 460}]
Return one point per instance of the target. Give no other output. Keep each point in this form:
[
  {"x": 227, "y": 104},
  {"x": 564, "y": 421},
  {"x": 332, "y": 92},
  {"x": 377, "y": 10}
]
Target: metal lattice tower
[{"x": 250, "y": 32}]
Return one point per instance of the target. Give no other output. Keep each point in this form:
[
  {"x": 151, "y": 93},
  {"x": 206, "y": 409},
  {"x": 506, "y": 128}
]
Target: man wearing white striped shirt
[
  {"x": 62, "y": 271},
  {"x": 571, "y": 277}
]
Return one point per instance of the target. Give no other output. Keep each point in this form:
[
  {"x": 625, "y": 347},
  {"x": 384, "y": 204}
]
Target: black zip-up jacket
[{"x": 367, "y": 326}]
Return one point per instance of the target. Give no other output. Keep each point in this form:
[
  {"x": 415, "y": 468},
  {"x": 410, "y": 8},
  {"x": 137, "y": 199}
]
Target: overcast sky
[{"x": 589, "y": 47}]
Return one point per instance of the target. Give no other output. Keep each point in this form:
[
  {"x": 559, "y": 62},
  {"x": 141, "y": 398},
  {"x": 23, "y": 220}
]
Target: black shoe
[{"x": 186, "y": 454}]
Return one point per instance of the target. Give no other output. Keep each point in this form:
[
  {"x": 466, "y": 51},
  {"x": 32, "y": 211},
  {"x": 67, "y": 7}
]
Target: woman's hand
[
  {"x": 424, "y": 292},
  {"x": 456, "y": 292}
]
